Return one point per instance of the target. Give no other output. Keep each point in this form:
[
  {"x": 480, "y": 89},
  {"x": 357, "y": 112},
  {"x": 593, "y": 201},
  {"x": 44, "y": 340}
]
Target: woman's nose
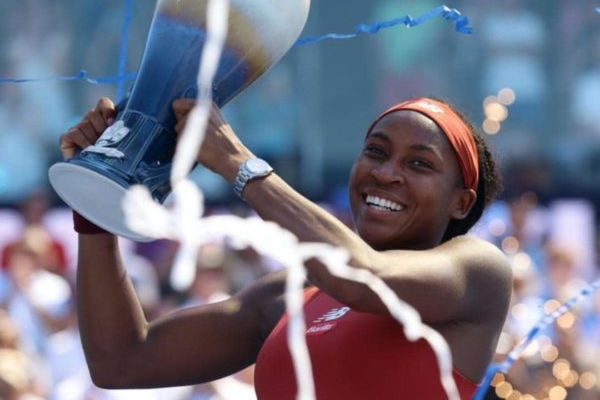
[{"x": 387, "y": 173}]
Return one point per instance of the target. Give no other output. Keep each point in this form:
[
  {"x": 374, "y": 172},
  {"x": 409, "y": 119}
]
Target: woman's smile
[{"x": 380, "y": 203}]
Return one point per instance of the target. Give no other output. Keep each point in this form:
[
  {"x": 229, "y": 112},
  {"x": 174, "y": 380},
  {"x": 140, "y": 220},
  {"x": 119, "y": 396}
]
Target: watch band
[
  {"x": 252, "y": 168},
  {"x": 241, "y": 180}
]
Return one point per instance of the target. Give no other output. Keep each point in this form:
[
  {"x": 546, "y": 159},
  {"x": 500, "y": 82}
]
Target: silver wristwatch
[{"x": 252, "y": 168}]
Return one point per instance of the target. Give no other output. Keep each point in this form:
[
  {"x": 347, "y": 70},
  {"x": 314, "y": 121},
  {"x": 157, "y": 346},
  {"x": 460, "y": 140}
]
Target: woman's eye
[
  {"x": 374, "y": 151},
  {"x": 420, "y": 163}
]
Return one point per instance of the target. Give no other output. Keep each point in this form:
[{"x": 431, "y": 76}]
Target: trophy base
[{"x": 94, "y": 196}]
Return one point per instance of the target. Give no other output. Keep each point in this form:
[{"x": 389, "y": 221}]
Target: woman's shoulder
[
  {"x": 477, "y": 251},
  {"x": 484, "y": 262},
  {"x": 488, "y": 268}
]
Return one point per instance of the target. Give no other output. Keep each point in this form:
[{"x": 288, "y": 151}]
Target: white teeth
[{"x": 383, "y": 203}]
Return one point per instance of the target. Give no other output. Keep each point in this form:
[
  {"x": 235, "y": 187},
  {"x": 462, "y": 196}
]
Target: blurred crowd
[
  {"x": 552, "y": 251},
  {"x": 546, "y": 54}
]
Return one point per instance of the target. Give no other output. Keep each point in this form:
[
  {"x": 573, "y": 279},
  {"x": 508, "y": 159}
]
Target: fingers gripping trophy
[{"x": 139, "y": 147}]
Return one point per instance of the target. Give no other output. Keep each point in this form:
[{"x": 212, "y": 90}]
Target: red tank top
[{"x": 355, "y": 356}]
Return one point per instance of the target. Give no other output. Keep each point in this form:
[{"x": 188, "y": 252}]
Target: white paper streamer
[
  {"x": 193, "y": 134},
  {"x": 184, "y": 268}
]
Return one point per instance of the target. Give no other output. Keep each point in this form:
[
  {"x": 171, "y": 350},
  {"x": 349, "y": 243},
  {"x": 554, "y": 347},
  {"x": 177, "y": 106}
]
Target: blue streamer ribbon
[
  {"x": 461, "y": 25},
  {"x": 451, "y": 14},
  {"x": 546, "y": 321}
]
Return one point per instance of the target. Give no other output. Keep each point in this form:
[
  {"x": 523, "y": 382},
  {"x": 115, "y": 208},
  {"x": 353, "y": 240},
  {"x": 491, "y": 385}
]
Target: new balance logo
[{"x": 334, "y": 314}]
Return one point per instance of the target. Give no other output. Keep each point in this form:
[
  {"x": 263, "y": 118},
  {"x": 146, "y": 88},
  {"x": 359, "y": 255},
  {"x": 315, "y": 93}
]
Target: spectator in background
[
  {"x": 39, "y": 301},
  {"x": 22, "y": 376},
  {"x": 10, "y": 336},
  {"x": 560, "y": 270},
  {"x": 33, "y": 209},
  {"x": 14, "y": 378}
]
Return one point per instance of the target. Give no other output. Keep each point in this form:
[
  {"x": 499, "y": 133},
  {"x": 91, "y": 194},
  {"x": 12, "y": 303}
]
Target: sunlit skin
[{"x": 407, "y": 160}]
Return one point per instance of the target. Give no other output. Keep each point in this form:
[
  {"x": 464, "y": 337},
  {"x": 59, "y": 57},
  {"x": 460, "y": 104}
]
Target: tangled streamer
[
  {"x": 452, "y": 14},
  {"x": 461, "y": 25}
]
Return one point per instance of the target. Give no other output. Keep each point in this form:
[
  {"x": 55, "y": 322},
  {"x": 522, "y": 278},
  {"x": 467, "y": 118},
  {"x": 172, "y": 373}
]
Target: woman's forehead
[{"x": 410, "y": 122}]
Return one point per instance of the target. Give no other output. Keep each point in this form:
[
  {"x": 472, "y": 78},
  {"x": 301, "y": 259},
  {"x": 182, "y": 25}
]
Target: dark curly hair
[{"x": 488, "y": 188}]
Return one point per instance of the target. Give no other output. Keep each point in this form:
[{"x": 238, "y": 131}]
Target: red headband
[{"x": 454, "y": 128}]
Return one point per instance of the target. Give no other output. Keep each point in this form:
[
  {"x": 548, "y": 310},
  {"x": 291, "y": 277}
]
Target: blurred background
[{"x": 528, "y": 77}]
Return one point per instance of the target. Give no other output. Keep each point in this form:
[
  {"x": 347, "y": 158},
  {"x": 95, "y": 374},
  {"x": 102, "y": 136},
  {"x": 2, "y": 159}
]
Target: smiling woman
[
  {"x": 433, "y": 133},
  {"x": 420, "y": 182}
]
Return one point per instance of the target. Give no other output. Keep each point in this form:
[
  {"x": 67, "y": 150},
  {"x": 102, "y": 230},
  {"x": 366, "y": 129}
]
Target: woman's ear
[{"x": 464, "y": 202}]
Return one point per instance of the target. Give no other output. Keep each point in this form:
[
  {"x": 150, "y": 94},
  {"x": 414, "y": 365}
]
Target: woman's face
[{"x": 406, "y": 184}]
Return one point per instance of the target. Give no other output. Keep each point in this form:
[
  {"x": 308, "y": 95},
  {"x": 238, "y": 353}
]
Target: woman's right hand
[
  {"x": 222, "y": 151},
  {"x": 88, "y": 130}
]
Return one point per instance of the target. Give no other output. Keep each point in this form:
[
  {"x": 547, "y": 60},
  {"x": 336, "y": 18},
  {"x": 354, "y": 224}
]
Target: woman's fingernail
[{"x": 110, "y": 121}]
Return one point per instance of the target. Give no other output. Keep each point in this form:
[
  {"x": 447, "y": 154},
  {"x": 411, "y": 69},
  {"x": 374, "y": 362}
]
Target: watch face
[{"x": 256, "y": 165}]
